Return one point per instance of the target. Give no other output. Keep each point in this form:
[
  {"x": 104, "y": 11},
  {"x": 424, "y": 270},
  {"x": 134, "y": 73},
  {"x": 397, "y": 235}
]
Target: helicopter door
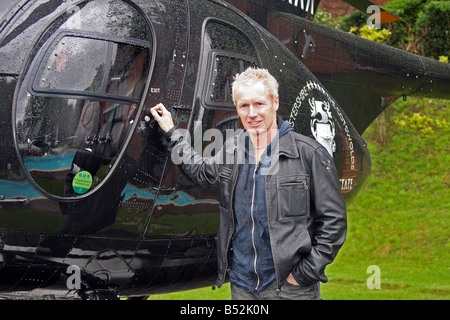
[
  {"x": 227, "y": 50},
  {"x": 81, "y": 95}
]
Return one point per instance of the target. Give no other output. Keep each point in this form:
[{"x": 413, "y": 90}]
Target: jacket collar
[{"x": 288, "y": 146}]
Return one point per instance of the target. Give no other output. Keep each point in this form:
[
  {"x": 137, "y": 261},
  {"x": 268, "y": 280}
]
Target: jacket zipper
[
  {"x": 253, "y": 228},
  {"x": 231, "y": 209},
  {"x": 268, "y": 226}
]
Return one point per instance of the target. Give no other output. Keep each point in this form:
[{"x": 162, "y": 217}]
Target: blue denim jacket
[{"x": 252, "y": 266}]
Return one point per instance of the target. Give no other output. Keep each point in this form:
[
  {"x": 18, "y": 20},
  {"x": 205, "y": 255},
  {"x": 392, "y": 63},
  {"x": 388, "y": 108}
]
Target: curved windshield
[{"x": 80, "y": 98}]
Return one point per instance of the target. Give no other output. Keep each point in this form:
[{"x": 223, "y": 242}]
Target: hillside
[{"x": 400, "y": 220}]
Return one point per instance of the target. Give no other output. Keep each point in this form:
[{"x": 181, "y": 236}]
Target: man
[{"x": 282, "y": 215}]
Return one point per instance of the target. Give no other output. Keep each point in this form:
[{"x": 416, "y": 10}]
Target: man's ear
[{"x": 276, "y": 102}]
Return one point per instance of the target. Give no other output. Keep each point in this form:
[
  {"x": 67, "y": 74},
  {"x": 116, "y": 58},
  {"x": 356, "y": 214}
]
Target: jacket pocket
[
  {"x": 293, "y": 197},
  {"x": 225, "y": 173}
]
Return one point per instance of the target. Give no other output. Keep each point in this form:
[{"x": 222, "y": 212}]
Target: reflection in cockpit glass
[
  {"x": 85, "y": 136},
  {"x": 80, "y": 95},
  {"x": 60, "y": 137},
  {"x": 77, "y": 65}
]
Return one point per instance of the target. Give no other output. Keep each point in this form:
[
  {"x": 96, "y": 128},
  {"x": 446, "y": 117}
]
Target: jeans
[{"x": 288, "y": 292}]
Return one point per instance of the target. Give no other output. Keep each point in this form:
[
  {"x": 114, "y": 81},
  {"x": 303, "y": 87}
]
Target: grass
[{"x": 399, "y": 220}]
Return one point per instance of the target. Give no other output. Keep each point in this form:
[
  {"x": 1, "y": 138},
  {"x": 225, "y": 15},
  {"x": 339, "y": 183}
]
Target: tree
[{"x": 423, "y": 27}]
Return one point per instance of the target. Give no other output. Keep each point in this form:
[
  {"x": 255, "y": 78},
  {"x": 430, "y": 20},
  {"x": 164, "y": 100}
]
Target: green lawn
[{"x": 399, "y": 220}]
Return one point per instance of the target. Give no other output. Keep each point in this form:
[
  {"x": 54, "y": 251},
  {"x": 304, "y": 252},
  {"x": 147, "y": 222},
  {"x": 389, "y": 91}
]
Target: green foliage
[
  {"x": 378, "y": 35},
  {"x": 435, "y": 21},
  {"x": 322, "y": 16},
  {"x": 355, "y": 19},
  {"x": 443, "y": 59},
  {"x": 422, "y": 29},
  {"x": 422, "y": 124},
  {"x": 423, "y": 26},
  {"x": 406, "y": 10}
]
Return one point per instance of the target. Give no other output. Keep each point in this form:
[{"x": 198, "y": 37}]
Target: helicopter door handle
[
  {"x": 4, "y": 200},
  {"x": 180, "y": 107}
]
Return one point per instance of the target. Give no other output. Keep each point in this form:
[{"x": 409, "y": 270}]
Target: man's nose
[{"x": 252, "y": 111}]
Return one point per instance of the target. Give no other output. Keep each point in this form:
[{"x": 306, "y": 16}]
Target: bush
[
  {"x": 322, "y": 16},
  {"x": 371, "y": 33},
  {"x": 422, "y": 29},
  {"x": 434, "y": 20},
  {"x": 443, "y": 59},
  {"x": 355, "y": 19},
  {"x": 418, "y": 123},
  {"x": 423, "y": 26}
]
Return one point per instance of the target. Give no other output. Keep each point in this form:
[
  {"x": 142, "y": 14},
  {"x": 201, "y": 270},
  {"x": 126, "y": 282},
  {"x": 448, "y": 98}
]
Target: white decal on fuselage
[{"x": 309, "y": 4}]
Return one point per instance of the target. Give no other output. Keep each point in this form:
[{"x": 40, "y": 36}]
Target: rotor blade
[{"x": 362, "y": 5}]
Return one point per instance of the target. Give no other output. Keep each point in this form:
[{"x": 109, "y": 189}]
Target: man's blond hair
[{"x": 252, "y": 76}]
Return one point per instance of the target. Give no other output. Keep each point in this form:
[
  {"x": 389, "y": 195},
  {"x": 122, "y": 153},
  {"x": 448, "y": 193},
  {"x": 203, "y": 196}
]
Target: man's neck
[{"x": 261, "y": 140}]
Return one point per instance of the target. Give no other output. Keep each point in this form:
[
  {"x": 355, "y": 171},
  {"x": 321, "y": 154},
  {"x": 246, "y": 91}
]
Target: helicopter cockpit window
[
  {"x": 80, "y": 96},
  {"x": 225, "y": 67},
  {"x": 92, "y": 67},
  {"x": 230, "y": 52}
]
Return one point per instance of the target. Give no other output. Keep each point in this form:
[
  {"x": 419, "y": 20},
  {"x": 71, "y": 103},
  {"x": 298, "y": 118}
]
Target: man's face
[{"x": 256, "y": 109}]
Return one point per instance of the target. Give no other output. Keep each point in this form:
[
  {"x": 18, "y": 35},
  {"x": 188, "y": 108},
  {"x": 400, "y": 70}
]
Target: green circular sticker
[{"x": 82, "y": 182}]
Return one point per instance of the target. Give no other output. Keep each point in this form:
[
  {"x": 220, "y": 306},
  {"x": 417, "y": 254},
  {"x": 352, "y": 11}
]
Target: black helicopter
[{"x": 91, "y": 204}]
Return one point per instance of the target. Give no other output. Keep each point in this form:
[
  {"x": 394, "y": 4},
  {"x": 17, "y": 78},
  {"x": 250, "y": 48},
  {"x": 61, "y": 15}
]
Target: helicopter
[{"x": 91, "y": 204}]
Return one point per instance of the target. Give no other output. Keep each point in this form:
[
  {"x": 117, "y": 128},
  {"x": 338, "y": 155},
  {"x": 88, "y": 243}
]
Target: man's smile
[{"x": 254, "y": 123}]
